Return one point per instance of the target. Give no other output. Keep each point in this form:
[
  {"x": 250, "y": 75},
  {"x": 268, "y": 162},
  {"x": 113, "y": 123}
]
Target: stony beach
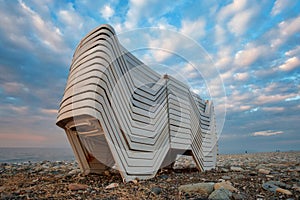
[{"x": 245, "y": 176}]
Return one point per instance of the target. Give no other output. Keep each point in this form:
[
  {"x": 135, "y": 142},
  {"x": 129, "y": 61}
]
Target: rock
[
  {"x": 134, "y": 181},
  {"x": 260, "y": 197},
  {"x": 74, "y": 171},
  {"x": 164, "y": 176},
  {"x": 236, "y": 169},
  {"x": 106, "y": 173},
  {"x": 2, "y": 189},
  {"x": 220, "y": 194},
  {"x": 275, "y": 186},
  {"x": 226, "y": 185},
  {"x": 264, "y": 171},
  {"x": 156, "y": 190},
  {"x": 283, "y": 191},
  {"x": 8, "y": 167},
  {"x": 224, "y": 170},
  {"x": 270, "y": 187},
  {"x": 269, "y": 176},
  {"x": 236, "y": 196},
  {"x": 76, "y": 186},
  {"x": 296, "y": 188},
  {"x": 239, "y": 176},
  {"x": 201, "y": 188},
  {"x": 112, "y": 185},
  {"x": 226, "y": 177}
]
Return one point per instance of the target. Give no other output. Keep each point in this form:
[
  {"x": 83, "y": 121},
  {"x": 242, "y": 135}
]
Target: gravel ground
[{"x": 245, "y": 176}]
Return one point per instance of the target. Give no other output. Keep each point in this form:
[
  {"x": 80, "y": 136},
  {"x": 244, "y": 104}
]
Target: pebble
[
  {"x": 164, "y": 176},
  {"x": 220, "y": 194},
  {"x": 226, "y": 185},
  {"x": 264, "y": 171},
  {"x": 275, "y": 186},
  {"x": 201, "y": 188},
  {"x": 77, "y": 186},
  {"x": 236, "y": 196},
  {"x": 270, "y": 187},
  {"x": 296, "y": 188},
  {"x": 236, "y": 169},
  {"x": 224, "y": 170},
  {"x": 2, "y": 188},
  {"x": 239, "y": 176},
  {"x": 39, "y": 179},
  {"x": 156, "y": 190},
  {"x": 112, "y": 185},
  {"x": 134, "y": 181},
  {"x": 74, "y": 171},
  {"x": 226, "y": 177},
  {"x": 283, "y": 191}
]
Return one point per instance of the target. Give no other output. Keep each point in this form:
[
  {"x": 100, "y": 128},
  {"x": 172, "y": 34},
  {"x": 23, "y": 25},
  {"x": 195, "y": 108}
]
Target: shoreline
[
  {"x": 248, "y": 174},
  {"x": 24, "y": 161}
]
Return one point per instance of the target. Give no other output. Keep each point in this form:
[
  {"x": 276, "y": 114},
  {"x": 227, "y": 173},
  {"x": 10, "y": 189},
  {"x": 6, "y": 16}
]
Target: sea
[{"x": 19, "y": 155}]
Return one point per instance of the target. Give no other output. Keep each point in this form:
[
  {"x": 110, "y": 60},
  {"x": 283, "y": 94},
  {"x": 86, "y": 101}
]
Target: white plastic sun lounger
[{"x": 117, "y": 111}]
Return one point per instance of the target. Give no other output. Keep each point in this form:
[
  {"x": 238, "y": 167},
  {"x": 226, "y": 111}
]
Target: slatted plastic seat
[{"x": 118, "y": 112}]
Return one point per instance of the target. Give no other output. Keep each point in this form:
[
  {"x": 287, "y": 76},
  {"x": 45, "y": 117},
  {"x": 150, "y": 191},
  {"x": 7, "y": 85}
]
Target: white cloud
[
  {"x": 71, "y": 19},
  {"x": 14, "y": 87},
  {"x": 240, "y": 22},
  {"x": 134, "y": 13},
  {"x": 223, "y": 59},
  {"x": 140, "y": 10},
  {"x": 107, "y": 12},
  {"x": 167, "y": 42},
  {"x": 249, "y": 55},
  {"x": 293, "y": 52},
  {"x": 273, "y": 109},
  {"x": 254, "y": 109},
  {"x": 295, "y": 98},
  {"x": 163, "y": 23},
  {"x": 263, "y": 99},
  {"x": 290, "y": 27},
  {"x": 271, "y": 87},
  {"x": 267, "y": 133},
  {"x": 229, "y": 10},
  {"x": 280, "y": 5},
  {"x": 164, "y": 45},
  {"x": 244, "y": 107},
  {"x": 47, "y": 33},
  {"x": 284, "y": 30},
  {"x": 49, "y": 111},
  {"x": 290, "y": 64},
  {"x": 194, "y": 29},
  {"x": 241, "y": 76},
  {"x": 19, "y": 109},
  {"x": 231, "y": 136},
  {"x": 220, "y": 34},
  {"x": 227, "y": 75},
  {"x": 271, "y": 93}
]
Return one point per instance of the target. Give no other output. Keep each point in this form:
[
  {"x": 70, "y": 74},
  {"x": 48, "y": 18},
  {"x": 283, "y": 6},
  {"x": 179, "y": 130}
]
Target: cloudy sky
[{"x": 253, "y": 47}]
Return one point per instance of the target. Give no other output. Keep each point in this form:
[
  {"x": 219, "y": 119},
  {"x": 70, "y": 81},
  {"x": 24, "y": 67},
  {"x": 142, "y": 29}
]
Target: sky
[{"x": 244, "y": 55}]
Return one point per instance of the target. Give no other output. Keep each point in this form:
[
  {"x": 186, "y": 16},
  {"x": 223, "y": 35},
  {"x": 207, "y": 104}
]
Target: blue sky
[{"x": 253, "y": 46}]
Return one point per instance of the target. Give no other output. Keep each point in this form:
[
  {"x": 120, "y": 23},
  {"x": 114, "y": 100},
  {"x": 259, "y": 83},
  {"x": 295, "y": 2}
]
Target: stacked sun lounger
[{"x": 117, "y": 112}]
